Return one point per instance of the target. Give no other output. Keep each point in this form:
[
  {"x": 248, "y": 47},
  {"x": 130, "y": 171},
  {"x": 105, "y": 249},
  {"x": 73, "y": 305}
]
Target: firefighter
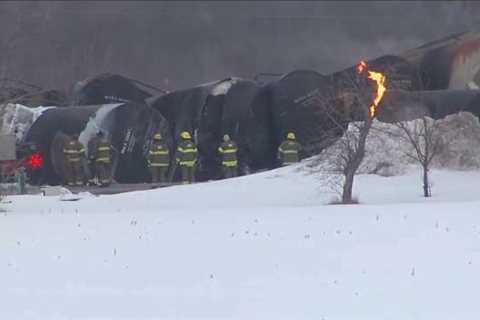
[
  {"x": 228, "y": 150},
  {"x": 186, "y": 157},
  {"x": 158, "y": 159},
  {"x": 288, "y": 151},
  {"x": 74, "y": 154},
  {"x": 101, "y": 158}
]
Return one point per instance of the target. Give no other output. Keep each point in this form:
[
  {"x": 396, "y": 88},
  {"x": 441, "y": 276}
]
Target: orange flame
[
  {"x": 361, "y": 66},
  {"x": 379, "y": 78}
]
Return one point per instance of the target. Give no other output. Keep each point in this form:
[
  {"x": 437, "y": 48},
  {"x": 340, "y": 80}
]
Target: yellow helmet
[
  {"x": 157, "y": 136},
  {"x": 291, "y": 136},
  {"x": 185, "y": 135}
]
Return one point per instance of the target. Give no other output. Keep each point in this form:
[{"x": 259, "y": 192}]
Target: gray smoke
[{"x": 180, "y": 44}]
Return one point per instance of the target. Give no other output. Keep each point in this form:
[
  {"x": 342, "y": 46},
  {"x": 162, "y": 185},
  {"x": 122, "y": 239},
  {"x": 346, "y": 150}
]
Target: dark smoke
[{"x": 180, "y": 44}]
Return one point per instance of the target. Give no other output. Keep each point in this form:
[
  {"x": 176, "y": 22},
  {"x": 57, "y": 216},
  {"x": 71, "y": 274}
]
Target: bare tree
[
  {"x": 424, "y": 136},
  {"x": 354, "y": 146},
  {"x": 350, "y": 115},
  {"x": 342, "y": 160}
]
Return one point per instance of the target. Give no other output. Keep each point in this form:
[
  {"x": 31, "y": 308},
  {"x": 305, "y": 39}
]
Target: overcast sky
[{"x": 181, "y": 44}]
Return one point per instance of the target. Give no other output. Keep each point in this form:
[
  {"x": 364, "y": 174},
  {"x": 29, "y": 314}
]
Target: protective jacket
[
  {"x": 102, "y": 151},
  {"x": 73, "y": 151},
  {"x": 288, "y": 152},
  {"x": 186, "y": 153},
  {"x": 228, "y": 150},
  {"x": 159, "y": 155}
]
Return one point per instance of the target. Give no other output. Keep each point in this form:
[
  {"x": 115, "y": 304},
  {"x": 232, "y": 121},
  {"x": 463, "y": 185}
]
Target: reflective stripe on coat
[
  {"x": 186, "y": 153},
  {"x": 228, "y": 150},
  {"x": 159, "y": 155},
  {"x": 288, "y": 152}
]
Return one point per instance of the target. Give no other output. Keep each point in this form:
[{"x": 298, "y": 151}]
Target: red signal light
[{"x": 35, "y": 161}]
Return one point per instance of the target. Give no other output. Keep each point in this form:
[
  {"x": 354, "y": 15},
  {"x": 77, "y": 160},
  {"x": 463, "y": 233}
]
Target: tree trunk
[
  {"x": 347, "y": 188},
  {"x": 426, "y": 188}
]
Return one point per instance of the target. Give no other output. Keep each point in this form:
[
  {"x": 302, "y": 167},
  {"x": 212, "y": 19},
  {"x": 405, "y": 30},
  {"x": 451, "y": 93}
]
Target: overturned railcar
[
  {"x": 318, "y": 108},
  {"x": 208, "y": 112},
  {"x": 129, "y": 126},
  {"x": 110, "y": 88},
  {"x": 399, "y": 73},
  {"x": 291, "y": 104},
  {"x": 449, "y": 63},
  {"x": 182, "y": 110},
  {"x": 227, "y": 110}
]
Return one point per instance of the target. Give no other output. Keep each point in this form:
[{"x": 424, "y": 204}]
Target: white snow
[
  {"x": 461, "y": 135},
  {"x": 263, "y": 246},
  {"x": 465, "y": 67},
  {"x": 472, "y": 85},
  {"x": 99, "y": 120},
  {"x": 18, "y": 117},
  {"x": 223, "y": 87},
  {"x": 206, "y": 84}
]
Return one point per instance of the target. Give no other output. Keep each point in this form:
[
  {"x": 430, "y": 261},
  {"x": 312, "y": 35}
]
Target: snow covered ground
[{"x": 259, "y": 247}]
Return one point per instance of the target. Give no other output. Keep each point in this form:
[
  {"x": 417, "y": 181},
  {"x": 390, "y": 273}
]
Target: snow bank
[
  {"x": 256, "y": 247},
  {"x": 386, "y": 155}
]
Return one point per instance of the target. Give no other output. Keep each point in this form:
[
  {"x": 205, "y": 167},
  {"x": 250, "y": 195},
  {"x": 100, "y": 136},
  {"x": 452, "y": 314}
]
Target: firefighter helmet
[
  {"x": 185, "y": 135},
  {"x": 291, "y": 136},
  {"x": 226, "y": 138},
  {"x": 157, "y": 136}
]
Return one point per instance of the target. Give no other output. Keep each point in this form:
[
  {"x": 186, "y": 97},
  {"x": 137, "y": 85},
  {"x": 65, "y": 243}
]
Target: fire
[
  {"x": 379, "y": 78},
  {"x": 361, "y": 66}
]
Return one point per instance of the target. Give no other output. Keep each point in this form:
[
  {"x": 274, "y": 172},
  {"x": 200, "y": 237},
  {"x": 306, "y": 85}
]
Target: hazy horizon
[{"x": 175, "y": 45}]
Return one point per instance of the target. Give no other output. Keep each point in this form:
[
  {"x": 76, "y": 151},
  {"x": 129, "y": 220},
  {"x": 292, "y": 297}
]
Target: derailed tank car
[
  {"x": 110, "y": 88},
  {"x": 289, "y": 104},
  {"x": 318, "y": 108},
  {"x": 208, "y": 112},
  {"x": 227, "y": 110},
  {"x": 259, "y": 117},
  {"x": 449, "y": 63},
  {"x": 130, "y": 127}
]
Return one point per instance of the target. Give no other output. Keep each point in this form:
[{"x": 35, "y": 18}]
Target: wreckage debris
[{"x": 435, "y": 80}]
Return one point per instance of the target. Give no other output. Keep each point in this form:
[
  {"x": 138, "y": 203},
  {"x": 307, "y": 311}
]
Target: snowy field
[{"x": 259, "y": 247}]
